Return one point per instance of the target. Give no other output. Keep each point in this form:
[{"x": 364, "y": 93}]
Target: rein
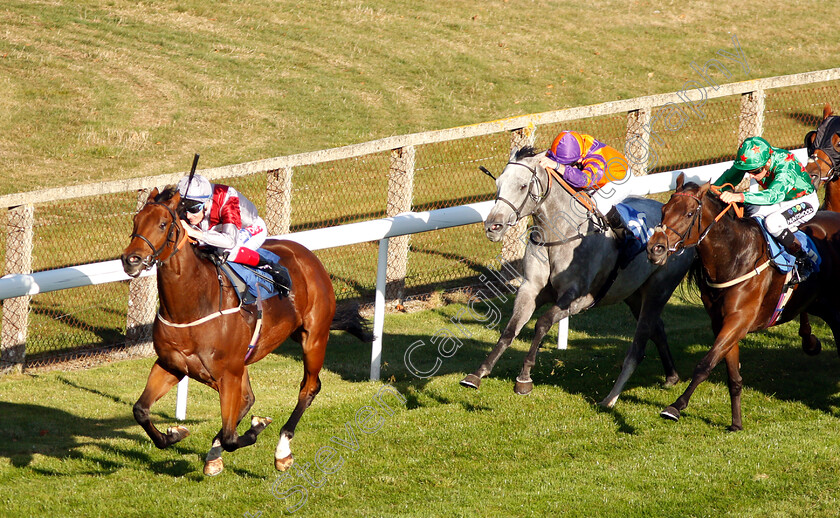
[
  {"x": 581, "y": 197},
  {"x": 739, "y": 212},
  {"x": 662, "y": 227}
]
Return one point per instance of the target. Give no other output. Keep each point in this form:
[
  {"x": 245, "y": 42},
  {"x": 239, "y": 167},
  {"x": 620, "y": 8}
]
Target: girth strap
[{"x": 752, "y": 273}]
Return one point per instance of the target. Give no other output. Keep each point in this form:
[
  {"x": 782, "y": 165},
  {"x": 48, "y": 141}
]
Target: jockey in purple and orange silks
[{"x": 588, "y": 164}]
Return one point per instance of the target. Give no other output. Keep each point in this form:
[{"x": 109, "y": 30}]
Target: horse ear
[
  {"x": 835, "y": 142},
  {"x": 680, "y": 181},
  {"x": 152, "y": 195},
  {"x": 703, "y": 189},
  {"x": 827, "y": 111}
]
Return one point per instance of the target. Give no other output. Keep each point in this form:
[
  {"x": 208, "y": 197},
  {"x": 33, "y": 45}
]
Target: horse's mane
[
  {"x": 166, "y": 194},
  {"x": 525, "y": 152}
]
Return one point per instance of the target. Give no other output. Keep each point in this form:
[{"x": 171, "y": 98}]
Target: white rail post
[
  {"x": 379, "y": 310},
  {"x": 181, "y": 402},
  {"x": 563, "y": 334}
]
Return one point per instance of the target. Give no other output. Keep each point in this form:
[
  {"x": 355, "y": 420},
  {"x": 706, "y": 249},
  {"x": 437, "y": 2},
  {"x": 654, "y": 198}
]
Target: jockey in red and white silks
[{"x": 220, "y": 216}]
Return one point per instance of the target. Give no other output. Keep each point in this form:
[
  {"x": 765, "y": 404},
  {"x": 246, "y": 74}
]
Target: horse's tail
[{"x": 348, "y": 319}]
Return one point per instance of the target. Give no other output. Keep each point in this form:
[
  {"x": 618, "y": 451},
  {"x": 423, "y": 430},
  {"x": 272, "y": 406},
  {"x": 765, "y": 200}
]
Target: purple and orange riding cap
[{"x": 570, "y": 147}]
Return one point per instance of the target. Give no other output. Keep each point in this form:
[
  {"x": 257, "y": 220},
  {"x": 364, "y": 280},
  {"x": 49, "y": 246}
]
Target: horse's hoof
[
  {"x": 608, "y": 402},
  {"x": 523, "y": 388},
  {"x": 671, "y": 382},
  {"x": 471, "y": 381},
  {"x": 670, "y": 413},
  {"x": 734, "y": 428},
  {"x": 813, "y": 347},
  {"x": 258, "y": 423},
  {"x": 214, "y": 466},
  {"x": 284, "y": 463},
  {"x": 177, "y": 433}
]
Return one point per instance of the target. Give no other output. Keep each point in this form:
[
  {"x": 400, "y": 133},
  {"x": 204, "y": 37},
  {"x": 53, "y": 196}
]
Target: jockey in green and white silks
[{"x": 787, "y": 200}]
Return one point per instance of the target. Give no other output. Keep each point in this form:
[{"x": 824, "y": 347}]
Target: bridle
[
  {"x": 178, "y": 241},
  {"x": 537, "y": 198},
  {"x": 680, "y": 243},
  {"x": 697, "y": 216},
  {"x": 832, "y": 168}
]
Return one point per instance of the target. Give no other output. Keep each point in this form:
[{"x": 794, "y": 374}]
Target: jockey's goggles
[{"x": 193, "y": 206}]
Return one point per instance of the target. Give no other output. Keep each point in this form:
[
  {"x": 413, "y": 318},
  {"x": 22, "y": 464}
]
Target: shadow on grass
[
  {"x": 772, "y": 360},
  {"x": 30, "y": 429}
]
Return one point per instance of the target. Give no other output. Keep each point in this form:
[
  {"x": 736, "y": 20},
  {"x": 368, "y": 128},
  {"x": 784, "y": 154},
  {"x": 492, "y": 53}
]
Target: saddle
[
  {"x": 252, "y": 282},
  {"x": 635, "y": 240},
  {"x": 780, "y": 258}
]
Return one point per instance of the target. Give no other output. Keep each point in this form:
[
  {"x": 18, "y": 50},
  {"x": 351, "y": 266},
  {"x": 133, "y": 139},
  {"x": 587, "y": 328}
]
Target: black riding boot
[
  {"x": 803, "y": 265},
  {"x": 616, "y": 224},
  {"x": 279, "y": 274}
]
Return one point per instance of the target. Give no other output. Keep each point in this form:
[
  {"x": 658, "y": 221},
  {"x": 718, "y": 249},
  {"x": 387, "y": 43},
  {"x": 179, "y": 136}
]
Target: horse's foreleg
[
  {"x": 527, "y": 301},
  {"x": 213, "y": 464},
  {"x": 524, "y": 384},
  {"x": 159, "y": 383},
  {"x": 728, "y": 338},
  {"x": 232, "y": 401},
  {"x": 810, "y": 343},
  {"x": 735, "y": 383},
  {"x": 314, "y": 348}
]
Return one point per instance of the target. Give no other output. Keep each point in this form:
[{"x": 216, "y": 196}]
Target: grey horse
[{"x": 572, "y": 263}]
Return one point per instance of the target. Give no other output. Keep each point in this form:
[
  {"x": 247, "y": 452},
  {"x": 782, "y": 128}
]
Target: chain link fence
[{"x": 114, "y": 319}]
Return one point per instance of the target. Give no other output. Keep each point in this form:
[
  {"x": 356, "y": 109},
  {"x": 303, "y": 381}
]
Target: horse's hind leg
[
  {"x": 524, "y": 384},
  {"x": 213, "y": 464},
  {"x": 810, "y": 343},
  {"x": 649, "y": 325},
  {"x": 159, "y": 383},
  {"x": 314, "y": 348},
  {"x": 526, "y": 302}
]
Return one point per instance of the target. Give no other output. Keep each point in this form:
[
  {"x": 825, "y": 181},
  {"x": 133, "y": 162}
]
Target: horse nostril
[
  {"x": 133, "y": 260},
  {"x": 658, "y": 249}
]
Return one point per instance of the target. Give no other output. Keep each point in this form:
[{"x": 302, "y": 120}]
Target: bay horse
[
  {"x": 573, "y": 265},
  {"x": 201, "y": 331},
  {"x": 823, "y": 166},
  {"x": 740, "y": 293},
  {"x": 823, "y": 146}
]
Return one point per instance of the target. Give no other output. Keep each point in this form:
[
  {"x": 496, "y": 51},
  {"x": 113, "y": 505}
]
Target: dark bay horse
[
  {"x": 202, "y": 332},
  {"x": 823, "y": 145},
  {"x": 574, "y": 268},
  {"x": 733, "y": 249},
  {"x": 823, "y": 166}
]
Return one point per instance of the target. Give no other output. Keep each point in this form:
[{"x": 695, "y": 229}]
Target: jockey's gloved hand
[{"x": 192, "y": 231}]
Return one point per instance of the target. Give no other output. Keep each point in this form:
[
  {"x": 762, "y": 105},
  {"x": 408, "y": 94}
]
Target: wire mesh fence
[{"x": 55, "y": 326}]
